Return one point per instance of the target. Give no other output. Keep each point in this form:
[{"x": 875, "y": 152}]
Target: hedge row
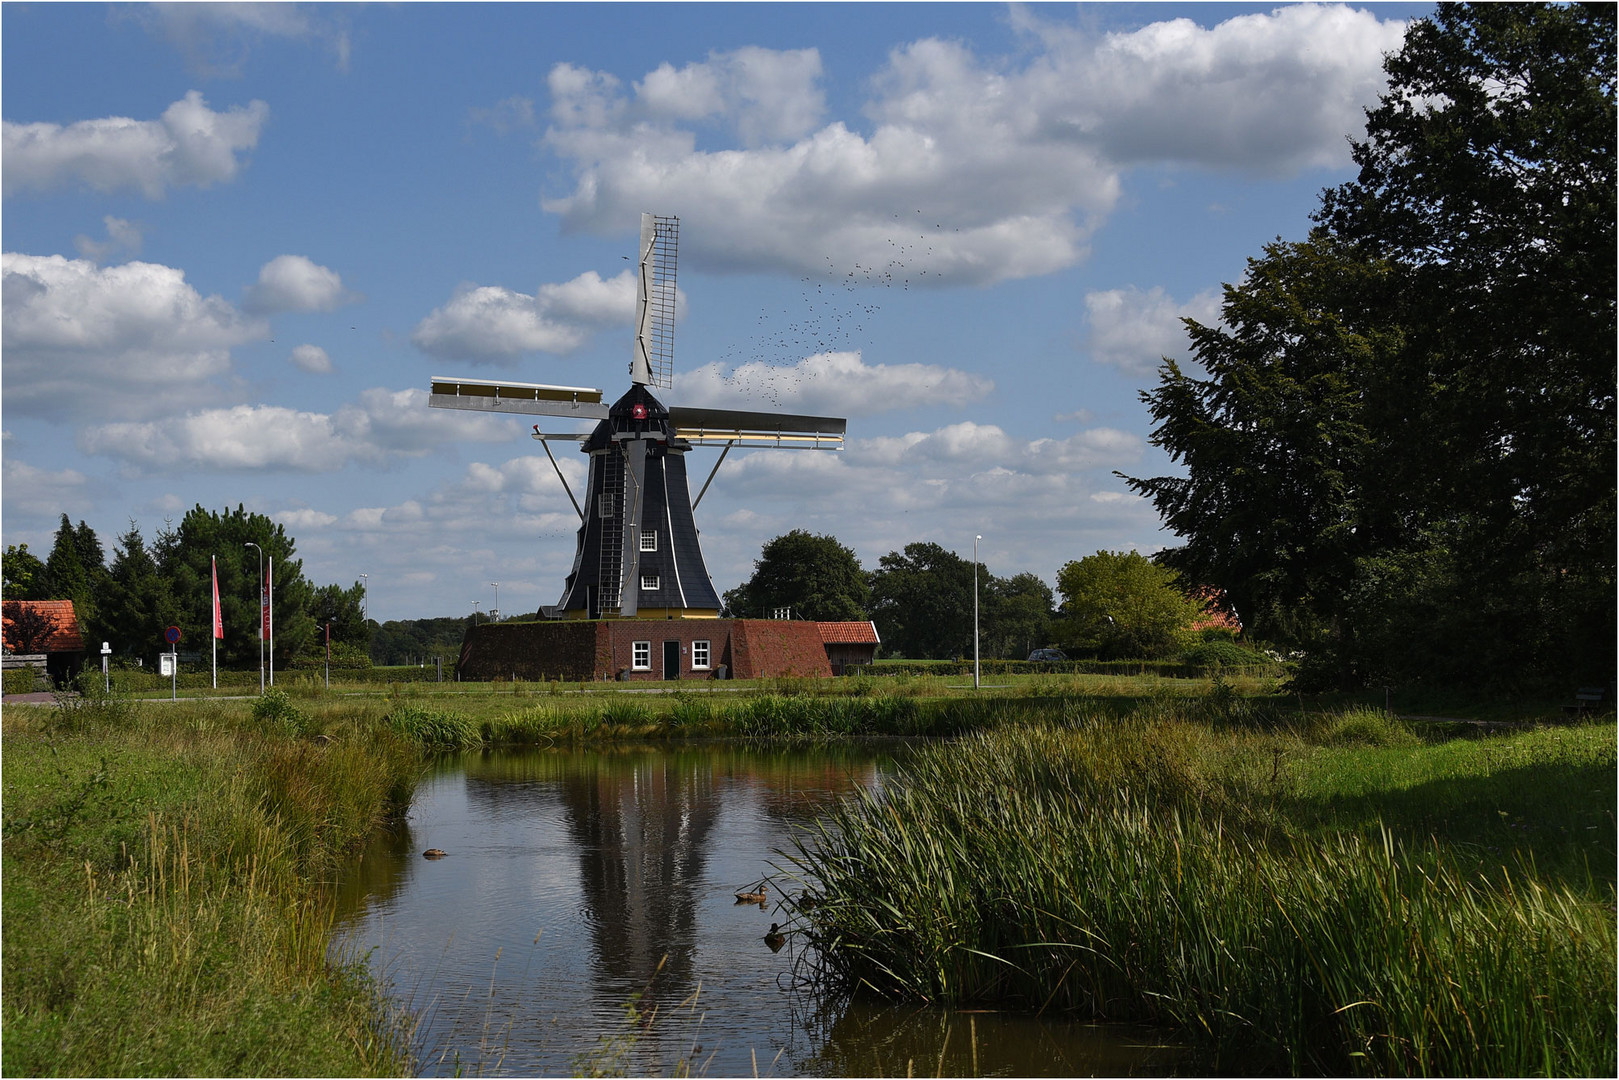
[
  {"x": 136, "y": 680},
  {"x": 1164, "y": 669}
]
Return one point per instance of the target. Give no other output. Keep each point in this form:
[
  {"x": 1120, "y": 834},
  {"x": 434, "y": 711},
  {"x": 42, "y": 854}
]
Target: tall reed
[{"x": 1095, "y": 868}]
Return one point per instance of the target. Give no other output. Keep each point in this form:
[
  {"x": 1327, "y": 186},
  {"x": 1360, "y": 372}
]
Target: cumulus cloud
[
  {"x": 838, "y": 383},
  {"x": 122, "y": 236},
  {"x": 970, "y": 169},
  {"x": 134, "y": 339},
  {"x": 379, "y": 429},
  {"x": 313, "y": 359},
  {"x": 189, "y": 145},
  {"x": 490, "y": 323},
  {"x": 296, "y": 283},
  {"x": 1134, "y": 330}
]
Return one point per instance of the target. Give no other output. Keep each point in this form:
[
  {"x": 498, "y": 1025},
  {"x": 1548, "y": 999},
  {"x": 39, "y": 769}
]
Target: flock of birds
[{"x": 832, "y": 314}]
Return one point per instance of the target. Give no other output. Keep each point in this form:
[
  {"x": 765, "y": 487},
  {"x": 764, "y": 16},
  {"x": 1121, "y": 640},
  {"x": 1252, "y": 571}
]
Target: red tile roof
[
  {"x": 1217, "y": 611},
  {"x": 849, "y": 633},
  {"x": 66, "y": 638}
]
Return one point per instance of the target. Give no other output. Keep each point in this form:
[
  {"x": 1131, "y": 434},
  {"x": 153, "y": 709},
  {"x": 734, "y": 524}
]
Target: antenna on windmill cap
[{"x": 653, "y": 360}]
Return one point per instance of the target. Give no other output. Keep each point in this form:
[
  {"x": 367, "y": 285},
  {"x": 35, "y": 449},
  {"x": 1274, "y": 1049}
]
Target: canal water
[{"x": 584, "y": 921}]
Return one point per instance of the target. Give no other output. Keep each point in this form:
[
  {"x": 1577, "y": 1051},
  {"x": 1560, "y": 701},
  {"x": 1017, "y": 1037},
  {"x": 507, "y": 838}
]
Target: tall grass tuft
[
  {"x": 433, "y": 729},
  {"x": 1098, "y": 867}
]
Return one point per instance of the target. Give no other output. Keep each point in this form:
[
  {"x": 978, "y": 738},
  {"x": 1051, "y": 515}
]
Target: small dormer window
[
  {"x": 649, "y": 540},
  {"x": 649, "y": 582}
]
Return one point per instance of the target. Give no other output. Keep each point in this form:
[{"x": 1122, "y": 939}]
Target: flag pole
[
  {"x": 213, "y": 636},
  {"x": 270, "y": 609}
]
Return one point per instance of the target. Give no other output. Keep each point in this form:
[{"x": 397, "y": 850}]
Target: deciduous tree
[
  {"x": 815, "y": 576},
  {"x": 1402, "y": 456},
  {"x": 1122, "y": 604},
  {"x": 922, "y": 602}
]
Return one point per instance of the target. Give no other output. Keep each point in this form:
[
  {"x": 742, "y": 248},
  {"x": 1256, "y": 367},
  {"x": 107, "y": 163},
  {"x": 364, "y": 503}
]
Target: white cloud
[
  {"x": 382, "y": 427},
  {"x": 190, "y": 145},
  {"x": 1262, "y": 93},
  {"x": 1134, "y": 330},
  {"x": 304, "y": 519},
  {"x": 490, "y": 323},
  {"x": 217, "y": 39},
  {"x": 122, "y": 235},
  {"x": 313, "y": 359},
  {"x": 834, "y": 383},
  {"x": 33, "y": 492},
  {"x": 129, "y": 340},
  {"x": 764, "y": 95},
  {"x": 972, "y": 171},
  {"x": 295, "y": 283}
]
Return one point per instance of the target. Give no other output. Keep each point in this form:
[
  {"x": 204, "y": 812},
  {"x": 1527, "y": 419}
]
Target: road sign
[{"x": 172, "y": 635}]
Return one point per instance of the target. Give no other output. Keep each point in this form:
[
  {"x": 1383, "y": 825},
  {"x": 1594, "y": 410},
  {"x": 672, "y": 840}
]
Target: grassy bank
[
  {"x": 164, "y": 891},
  {"x": 1328, "y": 895}
]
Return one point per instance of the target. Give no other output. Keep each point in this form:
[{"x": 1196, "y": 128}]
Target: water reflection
[{"x": 580, "y": 885}]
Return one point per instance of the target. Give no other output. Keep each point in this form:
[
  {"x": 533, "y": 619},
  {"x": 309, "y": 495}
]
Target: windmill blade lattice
[{"x": 653, "y": 363}]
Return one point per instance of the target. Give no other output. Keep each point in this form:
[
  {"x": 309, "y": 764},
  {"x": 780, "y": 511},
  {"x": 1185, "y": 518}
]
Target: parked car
[{"x": 1047, "y": 654}]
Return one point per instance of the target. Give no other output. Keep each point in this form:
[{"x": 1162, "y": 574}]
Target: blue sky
[{"x": 240, "y": 239}]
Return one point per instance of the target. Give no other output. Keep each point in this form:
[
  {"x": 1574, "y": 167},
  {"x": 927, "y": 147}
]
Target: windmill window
[
  {"x": 699, "y": 654},
  {"x": 641, "y": 655},
  {"x": 649, "y": 581},
  {"x": 649, "y": 540}
]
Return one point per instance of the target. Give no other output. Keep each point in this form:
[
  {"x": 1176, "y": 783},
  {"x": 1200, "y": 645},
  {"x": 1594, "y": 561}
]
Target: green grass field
[{"x": 1187, "y": 852}]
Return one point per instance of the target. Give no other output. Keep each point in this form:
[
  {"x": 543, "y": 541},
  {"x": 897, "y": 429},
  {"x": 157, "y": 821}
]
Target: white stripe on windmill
[{"x": 637, "y": 553}]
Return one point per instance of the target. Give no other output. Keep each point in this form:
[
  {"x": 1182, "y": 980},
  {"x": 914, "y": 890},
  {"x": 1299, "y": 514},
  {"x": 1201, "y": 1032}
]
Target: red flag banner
[{"x": 219, "y": 619}]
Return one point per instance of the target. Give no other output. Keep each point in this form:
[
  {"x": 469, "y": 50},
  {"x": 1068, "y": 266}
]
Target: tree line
[
  {"x": 1113, "y": 604},
  {"x": 129, "y": 600}
]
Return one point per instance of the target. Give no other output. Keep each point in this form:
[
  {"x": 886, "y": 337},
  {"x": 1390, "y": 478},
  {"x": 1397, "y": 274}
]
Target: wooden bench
[{"x": 1588, "y": 699}]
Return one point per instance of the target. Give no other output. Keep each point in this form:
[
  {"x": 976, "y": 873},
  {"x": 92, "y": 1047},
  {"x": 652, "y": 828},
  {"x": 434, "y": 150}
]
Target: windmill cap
[{"x": 638, "y": 412}]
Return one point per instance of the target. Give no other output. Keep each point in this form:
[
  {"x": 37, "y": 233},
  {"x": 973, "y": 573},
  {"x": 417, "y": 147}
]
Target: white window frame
[
  {"x": 700, "y": 655},
  {"x": 649, "y": 540},
  {"x": 649, "y": 582},
  {"x": 640, "y": 656}
]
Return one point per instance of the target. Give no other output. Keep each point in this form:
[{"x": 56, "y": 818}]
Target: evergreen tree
[
  {"x": 139, "y": 604},
  {"x": 66, "y": 576}
]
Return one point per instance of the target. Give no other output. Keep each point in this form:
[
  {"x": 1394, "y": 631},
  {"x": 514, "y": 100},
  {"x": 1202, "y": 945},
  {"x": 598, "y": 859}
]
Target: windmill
[{"x": 638, "y": 554}]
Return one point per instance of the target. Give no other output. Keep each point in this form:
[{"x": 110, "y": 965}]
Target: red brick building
[{"x": 662, "y": 649}]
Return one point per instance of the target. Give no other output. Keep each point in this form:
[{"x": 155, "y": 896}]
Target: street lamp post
[
  {"x": 475, "y": 604},
  {"x": 260, "y": 590},
  {"x": 494, "y": 613},
  {"x": 975, "y": 611},
  {"x": 365, "y": 598}
]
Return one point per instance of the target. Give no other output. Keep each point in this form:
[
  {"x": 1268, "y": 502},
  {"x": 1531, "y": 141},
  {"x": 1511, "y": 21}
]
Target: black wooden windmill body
[{"x": 638, "y": 554}]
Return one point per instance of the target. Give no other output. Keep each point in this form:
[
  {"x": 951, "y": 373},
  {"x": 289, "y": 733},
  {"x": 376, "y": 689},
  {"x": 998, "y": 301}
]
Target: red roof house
[
  {"x": 849, "y": 643},
  {"x": 1218, "y": 614},
  {"x": 64, "y": 638},
  {"x": 63, "y": 648}
]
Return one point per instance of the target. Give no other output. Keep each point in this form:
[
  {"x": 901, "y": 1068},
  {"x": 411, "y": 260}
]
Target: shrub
[
  {"x": 1226, "y": 653},
  {"x": 274, "y": 708},
  {"x": 21, "y": 680}
]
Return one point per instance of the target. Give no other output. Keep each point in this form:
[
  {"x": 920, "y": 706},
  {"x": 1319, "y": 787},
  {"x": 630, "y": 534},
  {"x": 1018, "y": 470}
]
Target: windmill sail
[{"x": 653, "y": 361}]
